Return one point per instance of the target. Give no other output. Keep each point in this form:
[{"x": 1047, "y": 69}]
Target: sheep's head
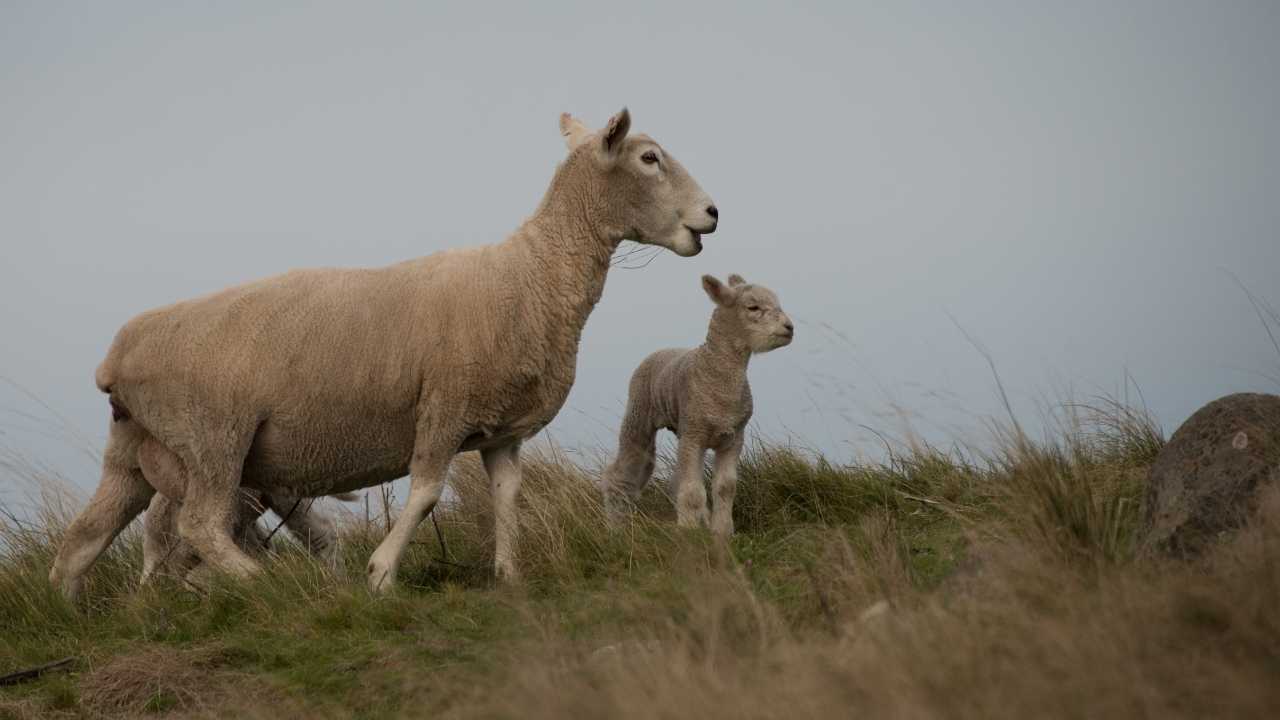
[
  {"x": 750, "y": 311},
  {"x": 644, "y": 193}
]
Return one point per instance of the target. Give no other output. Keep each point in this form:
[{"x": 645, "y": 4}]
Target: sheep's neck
[
  {"x": 569, "y": 253},
  {"x": 723, "y": 359}
]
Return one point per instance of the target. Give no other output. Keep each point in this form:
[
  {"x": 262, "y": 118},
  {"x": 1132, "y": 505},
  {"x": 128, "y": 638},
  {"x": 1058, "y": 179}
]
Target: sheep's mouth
[{"x": 696, "y": 234}]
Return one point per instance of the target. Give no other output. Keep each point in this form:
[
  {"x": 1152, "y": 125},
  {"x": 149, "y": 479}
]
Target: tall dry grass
[{"x": 933, "y": 584}]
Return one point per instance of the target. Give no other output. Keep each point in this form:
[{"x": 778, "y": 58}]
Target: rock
[{"x": 1205, "y": 481}]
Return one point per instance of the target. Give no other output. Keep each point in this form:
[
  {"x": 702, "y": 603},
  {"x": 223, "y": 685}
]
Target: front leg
[
  {"x": 503, "y": 466},
  {"x": 724, "y": 483},
  {"x": 691, "y": 496},
  {"x": 426, "y": 482}
]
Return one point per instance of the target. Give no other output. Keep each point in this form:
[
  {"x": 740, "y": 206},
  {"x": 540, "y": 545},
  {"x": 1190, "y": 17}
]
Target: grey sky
[{"x": 1070, "y": 182}]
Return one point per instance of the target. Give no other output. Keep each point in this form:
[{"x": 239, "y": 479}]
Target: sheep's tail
[{"x": 105, "y": 376}]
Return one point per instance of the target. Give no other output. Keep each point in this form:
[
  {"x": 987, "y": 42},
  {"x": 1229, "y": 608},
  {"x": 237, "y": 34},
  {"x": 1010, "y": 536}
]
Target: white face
[
  {"x": 767, "y": 326},
  {"x": 755, "y": 311},
  {"x": 649, "y": 196},
  {"x": 670, "y": 209}
]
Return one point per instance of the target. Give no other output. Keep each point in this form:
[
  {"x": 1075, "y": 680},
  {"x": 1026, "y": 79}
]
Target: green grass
[{"x": 932, "y": 584}]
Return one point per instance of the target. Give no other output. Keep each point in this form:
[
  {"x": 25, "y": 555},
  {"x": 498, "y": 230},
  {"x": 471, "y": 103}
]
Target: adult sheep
[{"x": 324, "y": 381}]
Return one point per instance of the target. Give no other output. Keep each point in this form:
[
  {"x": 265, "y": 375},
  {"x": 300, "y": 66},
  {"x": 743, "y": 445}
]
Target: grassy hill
[{"x": 936, "y": 584}]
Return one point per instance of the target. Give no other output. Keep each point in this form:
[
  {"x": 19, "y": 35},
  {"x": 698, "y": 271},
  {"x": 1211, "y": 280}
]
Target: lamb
[
  {"x": 702, "y": 395},
  {"x": 323, "y": 381},
  {"x": 164, "y": 552}
]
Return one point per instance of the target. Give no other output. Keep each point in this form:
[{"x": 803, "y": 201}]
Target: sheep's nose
[
  {"x": 791, "y": 329},
  {"x": 713, "y": 211}
]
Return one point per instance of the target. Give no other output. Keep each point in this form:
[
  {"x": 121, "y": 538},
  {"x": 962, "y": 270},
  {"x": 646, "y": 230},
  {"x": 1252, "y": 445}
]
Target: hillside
[{"x": 939, "y": 583}]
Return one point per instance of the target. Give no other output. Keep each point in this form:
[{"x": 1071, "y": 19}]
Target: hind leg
[
  {"x": 163, "y": 552},
  {"x": 625, "y": 478},
  {"x": 211, "y": 507},
  {"x": 122, "y": 493}
]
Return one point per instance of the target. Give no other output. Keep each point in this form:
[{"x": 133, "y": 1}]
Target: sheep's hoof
[
  {"x": 69, "y": 589},
  {"x": 381, "y": 579},
  {"x": 507, "y": 574},
  {"x": 692, "y": 520}
]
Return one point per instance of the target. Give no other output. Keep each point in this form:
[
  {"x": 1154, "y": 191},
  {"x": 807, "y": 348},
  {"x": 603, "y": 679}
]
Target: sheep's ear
[
  {"x": 719, "y": 293},
  {"x": 615, "y": 132},
  {"x": 573, "y": 130},
  {"x": 735, "y": 280}
]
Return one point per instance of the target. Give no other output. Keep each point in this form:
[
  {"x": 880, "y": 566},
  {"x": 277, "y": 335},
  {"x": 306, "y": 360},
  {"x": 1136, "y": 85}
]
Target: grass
[{"x": 933, "y": 584}]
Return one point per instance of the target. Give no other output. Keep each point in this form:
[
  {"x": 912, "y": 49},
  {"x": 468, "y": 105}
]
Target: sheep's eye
[
  {"x": 650, "y": 157},
  {"x": 753, "y": 308}
]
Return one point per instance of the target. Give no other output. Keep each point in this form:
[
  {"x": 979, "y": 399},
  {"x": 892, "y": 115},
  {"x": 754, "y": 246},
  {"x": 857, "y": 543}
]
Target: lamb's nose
[
  {"x": 713, "y": 212},
  {"x": 790, "y": 328}
]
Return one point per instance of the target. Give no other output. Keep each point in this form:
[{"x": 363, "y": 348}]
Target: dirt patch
[{"x": 159, "y": 679}]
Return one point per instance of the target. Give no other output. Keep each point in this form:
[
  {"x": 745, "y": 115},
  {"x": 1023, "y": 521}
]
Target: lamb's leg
[
  {"x": 312, "y": 528},
  {"x": 426, "y": 482},
  {"x": 122, "y": 493},
  {"x": 625, "y": 478},
  {"x": 691, "y": 496},
  {"x": 724, "y": 483},
  {"x": 503, "y": 466}
]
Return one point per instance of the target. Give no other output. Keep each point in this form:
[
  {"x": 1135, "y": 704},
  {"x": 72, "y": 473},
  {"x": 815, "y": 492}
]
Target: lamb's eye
[
  {"x": 753, "y": 308},
  {"x": 650, "y": 157}
]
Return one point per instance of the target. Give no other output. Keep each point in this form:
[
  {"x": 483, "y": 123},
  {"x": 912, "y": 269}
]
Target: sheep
[
  {"x": 702, "y": 395},
  {"x": 322, "y": 381},
  {"x": 164, "y": 552}
]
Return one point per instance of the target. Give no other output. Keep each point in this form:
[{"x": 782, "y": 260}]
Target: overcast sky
[{"x": 1072, "y": 183}]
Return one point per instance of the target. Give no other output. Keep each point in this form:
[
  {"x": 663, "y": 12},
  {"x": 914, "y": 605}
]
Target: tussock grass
[{"x": 931, "y": 584}]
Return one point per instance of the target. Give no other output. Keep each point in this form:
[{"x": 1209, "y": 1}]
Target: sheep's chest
[{"x": 522, "y": 406}]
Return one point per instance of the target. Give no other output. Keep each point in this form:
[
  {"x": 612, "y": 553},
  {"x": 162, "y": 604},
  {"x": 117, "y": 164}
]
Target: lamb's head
[
  {"x": 641, "y": 192},
  {"x": 749, "y": 311}
]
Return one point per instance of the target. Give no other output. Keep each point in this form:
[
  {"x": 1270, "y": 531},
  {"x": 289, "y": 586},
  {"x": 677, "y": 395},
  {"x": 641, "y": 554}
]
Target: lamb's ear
[
  {"x": 573, "y": 130},
  {"x": 735, "y": 280},
  {"x": 615, "y": 132},
  {"x": 719, "y": 293}
]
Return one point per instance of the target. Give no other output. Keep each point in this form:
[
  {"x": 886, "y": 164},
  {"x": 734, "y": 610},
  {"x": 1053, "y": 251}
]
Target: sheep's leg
[
  {"x": 724, "y": 483},
  {"x": 626, "y": 476},
  {"x": 503, "y": 466},
  {"x": 122, "y": 493},
  {"x": 211, "y": 510},
  {"x": 159, "y": 537},
  {"x": 163, "y": 550},
  {"x": 426, "y": 482},
  {"x": 691, "y": 496}
]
